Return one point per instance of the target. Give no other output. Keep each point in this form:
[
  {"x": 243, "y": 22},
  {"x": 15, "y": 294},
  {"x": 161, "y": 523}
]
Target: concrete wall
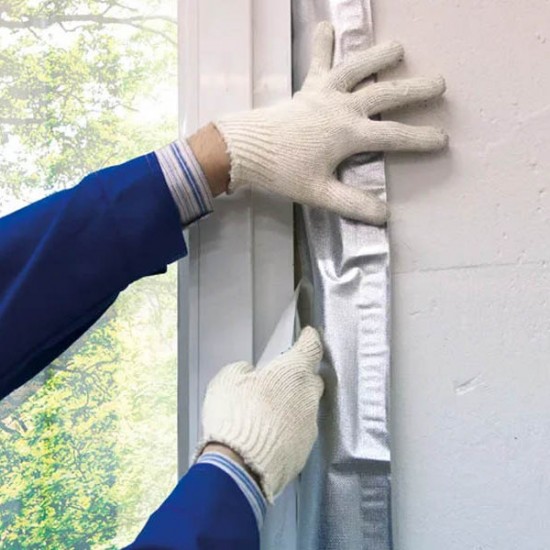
[{"x": 471, "y": 244}]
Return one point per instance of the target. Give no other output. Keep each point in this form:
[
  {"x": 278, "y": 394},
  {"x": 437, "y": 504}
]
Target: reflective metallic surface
[{"x": 344, "y": 493}]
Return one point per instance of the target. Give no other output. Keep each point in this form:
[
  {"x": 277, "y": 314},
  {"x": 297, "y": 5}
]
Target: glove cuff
[
  {"x": 270, "y": 488},
  {"x": 249, "y": 143}
]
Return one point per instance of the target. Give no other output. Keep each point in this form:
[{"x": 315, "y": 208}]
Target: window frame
[{"x": 239, "y": 274}]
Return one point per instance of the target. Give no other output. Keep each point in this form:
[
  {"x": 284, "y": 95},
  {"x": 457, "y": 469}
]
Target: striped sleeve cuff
[
  {"x": 243, "y": 480},
  {"x": 186, "y": 181}
]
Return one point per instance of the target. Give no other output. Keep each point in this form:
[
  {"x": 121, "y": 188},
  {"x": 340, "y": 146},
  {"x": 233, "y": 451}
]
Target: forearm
[
  {"x": 215, "y": 505},
  {"x": 211, "y": 152},
  {"x": 65, "y": 258}
]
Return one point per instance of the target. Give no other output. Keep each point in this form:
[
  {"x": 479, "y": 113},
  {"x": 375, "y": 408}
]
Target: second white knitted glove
[
  {"x": 268, "y": 416},
  {"x": 294, "y": 148}
]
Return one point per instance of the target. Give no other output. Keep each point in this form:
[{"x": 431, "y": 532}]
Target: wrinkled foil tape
[{"x": 344, "y": 492}]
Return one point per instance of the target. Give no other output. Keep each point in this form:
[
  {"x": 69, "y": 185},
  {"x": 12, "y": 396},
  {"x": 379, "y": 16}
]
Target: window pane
[{"x": 88, "y": 448}]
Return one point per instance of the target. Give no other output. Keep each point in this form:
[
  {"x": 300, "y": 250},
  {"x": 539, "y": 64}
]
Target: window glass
[{"x": 88, "y": 447}]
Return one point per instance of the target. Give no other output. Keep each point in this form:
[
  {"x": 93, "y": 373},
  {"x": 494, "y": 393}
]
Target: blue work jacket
[{"x": 63, "y": 262}]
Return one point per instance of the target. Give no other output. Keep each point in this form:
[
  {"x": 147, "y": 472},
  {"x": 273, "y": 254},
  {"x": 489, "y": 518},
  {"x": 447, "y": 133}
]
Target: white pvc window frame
[{"x": 239, "y": 275}]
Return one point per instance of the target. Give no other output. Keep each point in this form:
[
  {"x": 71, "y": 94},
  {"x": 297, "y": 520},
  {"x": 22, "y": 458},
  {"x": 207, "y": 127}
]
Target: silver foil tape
[{"x": 344, "y": 492}]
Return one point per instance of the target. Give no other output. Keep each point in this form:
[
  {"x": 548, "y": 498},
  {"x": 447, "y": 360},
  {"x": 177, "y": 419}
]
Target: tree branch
[
  {"x": 20, "y": 121},
  {"x": 39, "y": 21},
  {"x": 154, "y": 31},
  {"x": 20, "y": 422},
  {"x": 7, "y": 429}
]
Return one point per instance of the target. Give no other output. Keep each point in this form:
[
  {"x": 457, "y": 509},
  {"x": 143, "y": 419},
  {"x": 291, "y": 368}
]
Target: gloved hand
[
  {"x": 268, "y": 416},
  {"x": 293, "y": 148}
]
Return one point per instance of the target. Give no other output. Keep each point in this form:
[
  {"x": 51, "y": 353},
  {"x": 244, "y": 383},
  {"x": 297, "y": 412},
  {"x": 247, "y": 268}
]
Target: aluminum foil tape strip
[{"x": 344, "y": 493}]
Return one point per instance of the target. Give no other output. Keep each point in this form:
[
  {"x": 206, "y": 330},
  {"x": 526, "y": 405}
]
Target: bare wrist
[{"x": 210, "y": 151}]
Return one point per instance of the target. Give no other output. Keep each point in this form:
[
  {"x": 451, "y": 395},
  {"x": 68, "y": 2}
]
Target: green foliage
[
  {"x": 57, "y": 464},
  {"x": 87, "y": 450},
  {"x": 70, "y": 87}
]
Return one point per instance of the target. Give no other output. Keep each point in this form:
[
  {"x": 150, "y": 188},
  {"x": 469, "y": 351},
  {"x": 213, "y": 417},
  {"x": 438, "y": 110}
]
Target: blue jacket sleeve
[
  {"x": 206, "y": 511},
  {"x": 63, "y": 261},
  {"x": 65, "y": 258}
]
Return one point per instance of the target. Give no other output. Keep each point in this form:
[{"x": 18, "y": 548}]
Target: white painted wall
[{"x": 471, "y": 244}]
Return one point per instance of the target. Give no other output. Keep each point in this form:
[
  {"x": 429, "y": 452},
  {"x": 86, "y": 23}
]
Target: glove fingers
[
  {"x": 364, "y": 64},
  {"x": 306, "y": 352},
  {"x": 322, "y": 49},
  {"x": 350, "y": 202},
  {"x": 384, "y": 96},
  {"x": 309, "y": 344},
  {"x": 395, "y": 136}
]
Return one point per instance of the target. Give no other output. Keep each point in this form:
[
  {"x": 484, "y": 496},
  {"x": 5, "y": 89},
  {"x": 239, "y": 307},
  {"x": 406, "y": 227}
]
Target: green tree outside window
[{"x": 88, "y": 448}]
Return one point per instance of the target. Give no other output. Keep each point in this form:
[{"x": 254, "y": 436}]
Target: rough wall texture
[{"x": 471, "y": 244}]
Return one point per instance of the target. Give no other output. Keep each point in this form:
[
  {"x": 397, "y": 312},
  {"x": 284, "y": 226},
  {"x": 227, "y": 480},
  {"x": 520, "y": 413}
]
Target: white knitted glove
[
  {"x": 294, "y": 148},
  {"x": 268, "y": 416}
]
